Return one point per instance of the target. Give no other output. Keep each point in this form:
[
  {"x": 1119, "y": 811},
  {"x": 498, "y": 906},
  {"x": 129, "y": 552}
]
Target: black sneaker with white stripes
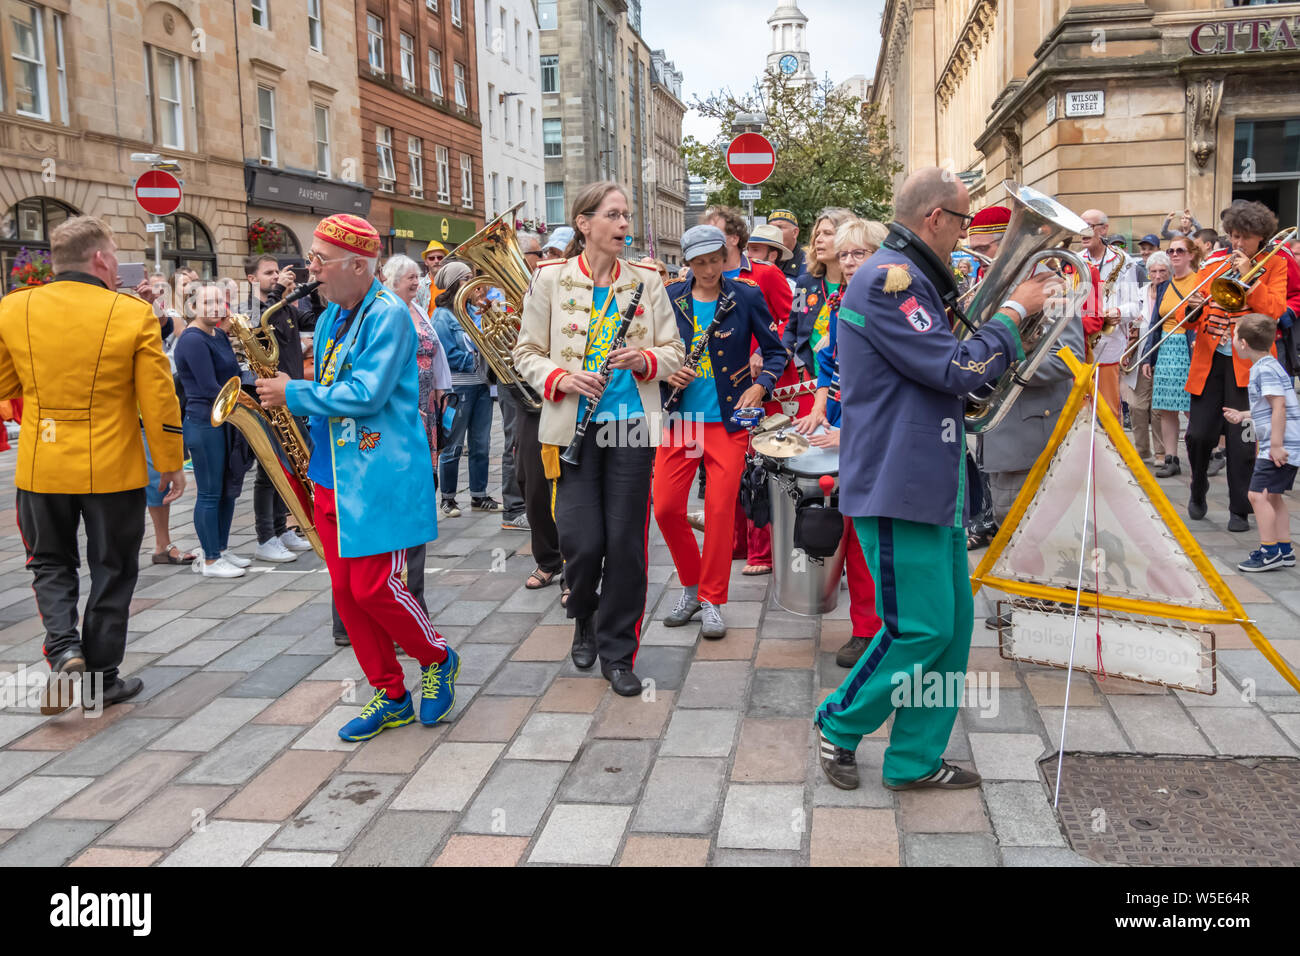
[
  {"x": 947, "y": 777},
  {"x": 839, "y": 765}
]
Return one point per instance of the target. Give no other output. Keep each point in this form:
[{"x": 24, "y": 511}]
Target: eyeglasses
[
  {"x": 315, "y": 258},
  {"x": 613, "y": 216},
  {"x": 965, "y": 219},
  {"x": 857, "y": 255},
  {"x": 1180, "y": 252}
]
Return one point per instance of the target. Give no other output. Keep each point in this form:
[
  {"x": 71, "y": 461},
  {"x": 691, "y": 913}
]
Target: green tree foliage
[{"x": 832, "y": 149}]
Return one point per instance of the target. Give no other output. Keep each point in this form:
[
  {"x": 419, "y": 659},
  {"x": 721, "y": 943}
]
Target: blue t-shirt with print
[
  {"x": 700, "y": 399},
  {"x": 620, "y": 400}
]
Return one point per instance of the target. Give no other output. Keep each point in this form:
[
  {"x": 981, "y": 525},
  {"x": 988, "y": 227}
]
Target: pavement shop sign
[
  {"x": 423, "y": 226},
  {"x": 286, "y": 191},
  {"x": 1144, "y": 810}
]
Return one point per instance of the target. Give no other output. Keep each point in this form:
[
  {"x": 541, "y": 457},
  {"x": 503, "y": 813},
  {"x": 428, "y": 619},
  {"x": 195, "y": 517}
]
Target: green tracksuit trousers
[{"x": 923, "y": 596}]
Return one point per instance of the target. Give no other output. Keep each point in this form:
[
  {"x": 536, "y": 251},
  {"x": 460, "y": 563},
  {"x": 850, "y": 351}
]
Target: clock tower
[{"x": 788, "y": 55}]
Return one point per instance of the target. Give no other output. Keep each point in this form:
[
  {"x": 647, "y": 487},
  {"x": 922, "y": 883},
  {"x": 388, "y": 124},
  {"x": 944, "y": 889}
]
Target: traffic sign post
[
  {"x": 751, "y": 159},
  {"x": 159, "y": 193}
]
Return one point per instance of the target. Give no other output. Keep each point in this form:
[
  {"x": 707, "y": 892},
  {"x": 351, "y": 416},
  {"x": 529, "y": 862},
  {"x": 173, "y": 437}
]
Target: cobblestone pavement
[{"x": 230, "y": 756}]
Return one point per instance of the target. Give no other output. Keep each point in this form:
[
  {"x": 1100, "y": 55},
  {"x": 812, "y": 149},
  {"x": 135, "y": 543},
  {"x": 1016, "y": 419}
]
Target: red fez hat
[
  {"x": 351, "y": 233},
  {"x": 990, "y": 221}
]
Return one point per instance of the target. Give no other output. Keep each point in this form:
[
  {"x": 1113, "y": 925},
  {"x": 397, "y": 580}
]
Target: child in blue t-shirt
[{"x": 1275, "y": 414}]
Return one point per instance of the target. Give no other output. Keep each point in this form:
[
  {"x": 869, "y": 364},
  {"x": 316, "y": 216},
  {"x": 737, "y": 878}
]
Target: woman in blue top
[
  {"x": 205, "y": 361},
  {"x": 473, "y": 421}
]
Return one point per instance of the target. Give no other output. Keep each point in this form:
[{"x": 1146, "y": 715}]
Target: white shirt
[{"x": 1124, "y": 295}]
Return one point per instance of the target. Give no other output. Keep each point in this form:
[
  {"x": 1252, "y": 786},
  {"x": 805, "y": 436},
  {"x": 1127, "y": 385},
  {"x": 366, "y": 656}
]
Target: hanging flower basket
[
  {"x": 31, "y": 267},
  {"x": 264, "y": 236},
  {"x": 531, "y": 225}
]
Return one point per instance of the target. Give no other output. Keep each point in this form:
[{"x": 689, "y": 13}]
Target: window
[
  {"x": 495, "y": 203},
  {"x": 532, "y": 60},
  {"x": 510, "y": 191},
  {"x": 546, "y": 17},
  {"x": 550, "y": 74},
  {"x": 518, "y": 63},
  {"x": 261, "y": 14},
  {"x": 536, "y": 202},
  {"x": 555, "y": 202},
  {"x": 31, "y": 98},
  {"x": 466, "y": 181},
  {"x": 492, "y": 110},
  {"x": 384, "y": 147},
  {"x": 532, "y": 129},
  {"x": 552, "y": 139},
  {"x": 501, "y": 38},
  {"x": 444, "y": 175},
  {"x": 187, "y": 243},
  {"x": 407, "y": 43},
  {"x": 27, "y": 226},
  {"x": 315, "y": 27},
  {"x": 322, "y": 141},
  {"x": 523, "y": 197},
  {"x": 461, "y": 100},
  {"x": 432, "y": 5},
  {"x": 415, "y": 155},
  {"x": 61, "y": 65},
  {"x": 375, "y": 42},
  {"x": 171, "y": 125},
  {"x": 519, "y": 124},
  {"x": 435, "y": 73},
  {"x": 455, "y": 13},
  {"x": 266, "y": 123}
]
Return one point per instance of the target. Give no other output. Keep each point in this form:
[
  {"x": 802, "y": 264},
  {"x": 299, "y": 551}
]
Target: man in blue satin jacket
[
  {"x": 904, "y": 375},
  {"x": 373, "y": 488}
]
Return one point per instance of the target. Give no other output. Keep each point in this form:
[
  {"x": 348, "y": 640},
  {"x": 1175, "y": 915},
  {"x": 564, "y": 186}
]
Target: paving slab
[
  {"x": 581, "y": 835},
  {"x": 338, "y": 812},
  {"x": 514, "y": 799},
  {"x": 164, "y": 819},
  {"x": 683, "y": 795},
  {"x": 608, "y": 771},
  {"x": 112, "y": 796},
  {"x": 241, "y": 755},
  {"x": 449, "y": 778},
  {"x": 212, "y": 724},
  {"x": 950, "y": 849},
  {"x": 763, "y": 817},
  {"x": 50, "y": 842},
  {"x": 400, "y": 838},
  {"x": 221, "y": 843}
]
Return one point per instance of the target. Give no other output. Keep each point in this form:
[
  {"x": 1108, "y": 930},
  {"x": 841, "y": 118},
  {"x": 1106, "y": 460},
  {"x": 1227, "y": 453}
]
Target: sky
[{"x": 724, "y": 43}]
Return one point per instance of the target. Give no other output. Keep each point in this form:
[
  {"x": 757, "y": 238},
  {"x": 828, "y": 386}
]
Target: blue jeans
[
  {"x": 473, "y": 418},
  {"x": 213, "y": 511}
]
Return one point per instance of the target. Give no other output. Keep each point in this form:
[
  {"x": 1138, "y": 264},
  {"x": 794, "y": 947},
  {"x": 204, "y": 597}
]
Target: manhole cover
[{"x": 1180, "y": 811}]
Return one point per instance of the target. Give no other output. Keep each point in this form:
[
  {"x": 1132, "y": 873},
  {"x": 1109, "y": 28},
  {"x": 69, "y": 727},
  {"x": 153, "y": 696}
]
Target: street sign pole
[{"x": 157, "y": 247}]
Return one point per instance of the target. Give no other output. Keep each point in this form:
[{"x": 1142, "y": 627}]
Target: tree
[{"x": 832, "y": 150}]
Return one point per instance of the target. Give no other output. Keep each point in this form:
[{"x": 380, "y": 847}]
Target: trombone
[{"x": 1227, "y": 290}]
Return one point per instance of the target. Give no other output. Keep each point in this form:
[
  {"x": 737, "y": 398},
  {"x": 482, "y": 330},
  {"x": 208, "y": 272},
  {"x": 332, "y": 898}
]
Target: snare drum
[{"x": 803, "y": 585}]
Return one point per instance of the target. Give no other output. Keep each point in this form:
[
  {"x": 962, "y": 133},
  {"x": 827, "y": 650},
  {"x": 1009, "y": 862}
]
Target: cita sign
[
  {"x": 751, "y": 158},
  {"x": 1256, "y": 35},
  {"x": 158, "y": 192},
  {"x": 1085, "y": 103}
]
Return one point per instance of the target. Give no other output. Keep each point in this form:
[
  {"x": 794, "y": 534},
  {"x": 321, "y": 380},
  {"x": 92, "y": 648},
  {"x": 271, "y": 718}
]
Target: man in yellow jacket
[{"x": 89, "y": 364}]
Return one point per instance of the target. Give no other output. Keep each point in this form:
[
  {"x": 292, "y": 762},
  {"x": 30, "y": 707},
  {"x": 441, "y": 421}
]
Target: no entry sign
[
  {"x": 158, "y": 192},
  {"x": 751, "y": 158}
]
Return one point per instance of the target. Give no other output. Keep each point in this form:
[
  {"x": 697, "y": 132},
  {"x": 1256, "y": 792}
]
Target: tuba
[
  {"x": 494, "y": 253},
  {"x": 273, "y": 434},
  {"x": 1038, "y": 223}
]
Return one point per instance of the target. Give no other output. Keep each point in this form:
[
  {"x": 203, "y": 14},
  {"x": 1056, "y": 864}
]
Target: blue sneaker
[
  {"x": 1288, "y": 558},
  {"x": 380, "y": 714},
  {"x": 438, "y": 694},
  {"x": 1259, "y": 561}
]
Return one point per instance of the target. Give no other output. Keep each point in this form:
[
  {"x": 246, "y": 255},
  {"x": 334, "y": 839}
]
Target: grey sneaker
[
  {"x": 518, "y": 523},
  {"x": 687, "y": 607},
  {"x": 713, "y": 624}
]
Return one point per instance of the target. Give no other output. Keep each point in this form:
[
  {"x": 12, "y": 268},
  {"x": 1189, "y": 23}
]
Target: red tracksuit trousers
[
  {"x": 676, "y": 463},
  {"x": 375, "y": 606}
]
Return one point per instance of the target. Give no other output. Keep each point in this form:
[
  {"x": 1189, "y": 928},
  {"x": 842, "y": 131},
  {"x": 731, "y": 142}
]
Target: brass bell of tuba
[
  {"x": 494, "y": 252},
  {"x": 1037, "y": 223},
  {"x": 273, "y": 434}
]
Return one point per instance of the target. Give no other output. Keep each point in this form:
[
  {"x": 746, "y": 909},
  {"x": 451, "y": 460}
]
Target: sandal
[
  {"x": 754, "y": 570},
  {"x": 543, "y": 577},
  {"x": 173, "y": 556}
]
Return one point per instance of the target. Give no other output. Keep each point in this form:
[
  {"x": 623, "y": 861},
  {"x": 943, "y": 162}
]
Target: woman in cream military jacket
[{"x": 602, "y": 505}]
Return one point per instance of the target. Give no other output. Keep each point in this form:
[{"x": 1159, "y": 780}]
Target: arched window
[
  {"x": 187, "y": 242},
  {"x": 27, "y": 225},
  {"x": 287, "y": 245}
]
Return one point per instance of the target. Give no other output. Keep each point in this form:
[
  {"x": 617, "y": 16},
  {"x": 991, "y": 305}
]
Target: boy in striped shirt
[{"x": 1275, "y": 414}]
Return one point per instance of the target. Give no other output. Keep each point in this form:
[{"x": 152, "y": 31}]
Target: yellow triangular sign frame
[{"x": 1232, "y": 612}]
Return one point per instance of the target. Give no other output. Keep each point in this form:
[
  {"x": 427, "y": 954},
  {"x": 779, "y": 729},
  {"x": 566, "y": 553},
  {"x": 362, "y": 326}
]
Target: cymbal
[{"x": 781, "y": 444}]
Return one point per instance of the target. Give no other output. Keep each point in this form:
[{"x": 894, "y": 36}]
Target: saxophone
[{"x": 273, "y": 434}]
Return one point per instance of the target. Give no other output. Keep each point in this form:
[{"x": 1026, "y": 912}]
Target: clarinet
[
  {"x": 725, "y": 305},
  {"x": 573, "y": 454}
]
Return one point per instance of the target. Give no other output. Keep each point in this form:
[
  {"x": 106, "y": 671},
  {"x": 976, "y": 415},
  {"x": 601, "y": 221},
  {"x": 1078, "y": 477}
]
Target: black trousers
[
  {"x": 535, "y": 488},
  {"x": 602, "y": 511},
  {"x": 269, "y": 509},
  {"x": 114, "y": 532},
  {"x": 414, "y": 584},
  {"x": 1206, "y": 423}
]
